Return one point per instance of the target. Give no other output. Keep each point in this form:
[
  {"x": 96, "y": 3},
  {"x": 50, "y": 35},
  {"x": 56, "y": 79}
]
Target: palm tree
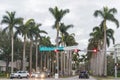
[
  {"x": 63, "y": 31},
  {"x": 97, "y": 40},
  {"x": 58, "y": 15},
  {"x": 36, "y": 32},
  {"x": 24, "y": 30},
  {"x": 45, "y": 41},
  {"x": 107, "y": 15},
  {"x": 69, "y": 40},
  {"x": 11, "y": 21}
]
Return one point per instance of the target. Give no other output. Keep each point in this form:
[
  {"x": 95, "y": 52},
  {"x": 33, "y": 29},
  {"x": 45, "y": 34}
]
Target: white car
[{"x": 19, "y": 74}]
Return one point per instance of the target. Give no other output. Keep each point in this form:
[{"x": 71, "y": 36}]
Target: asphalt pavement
[{"x": 69, "y": 78}]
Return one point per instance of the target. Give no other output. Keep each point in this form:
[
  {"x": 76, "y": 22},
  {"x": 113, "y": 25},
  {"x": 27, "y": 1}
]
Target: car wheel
[
  {"x": 27, "y": 76},
  {"x": 11, "y": 77},
  {"x": 19, "y": 77}
]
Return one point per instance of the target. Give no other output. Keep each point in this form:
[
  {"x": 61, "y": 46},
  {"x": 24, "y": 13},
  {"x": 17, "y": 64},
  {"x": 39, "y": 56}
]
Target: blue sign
[{"x": 44, "y": 48}]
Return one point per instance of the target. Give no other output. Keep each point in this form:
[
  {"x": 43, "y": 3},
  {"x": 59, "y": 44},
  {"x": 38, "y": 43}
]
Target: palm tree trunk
[
  {"x": 57, "y": 56},
  {"x": 64, "y": 63},
  {"x": 36, "y": 55},
  {"x": 45, "y": 61},
  {"x": 24, "y": 48},
  {"x": 12, "y": 54},
  {"x": 70, "y": 63},
  {"x": 41, "y": 62},
  {"x": 105, "y": 60},
  {"x": 31, "y": 57},
  {"x": 67, "y": 66},
  {"x": 61, "y": 63}
]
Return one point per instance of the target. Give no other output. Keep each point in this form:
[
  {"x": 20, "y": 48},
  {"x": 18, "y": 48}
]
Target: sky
[{"x": 80, "y": 15}]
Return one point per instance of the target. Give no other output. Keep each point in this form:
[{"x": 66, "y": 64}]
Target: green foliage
[
  {"x": 110, "y": 65},
  {"x": 3, "y": 74}
]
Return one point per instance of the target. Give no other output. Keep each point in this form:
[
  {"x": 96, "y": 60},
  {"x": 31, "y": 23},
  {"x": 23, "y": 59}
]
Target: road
[{"x": 70, "y": 78}]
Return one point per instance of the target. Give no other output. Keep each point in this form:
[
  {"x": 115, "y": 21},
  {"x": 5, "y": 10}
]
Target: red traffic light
[
  {"x": 76, "y": 50},
  {"x": 56, "y": 51},
  {"x": 95, "y": 50}
]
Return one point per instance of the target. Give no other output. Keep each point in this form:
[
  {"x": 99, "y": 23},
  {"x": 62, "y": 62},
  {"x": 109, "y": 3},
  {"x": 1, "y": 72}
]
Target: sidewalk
[{"x": 106, "y": 78}]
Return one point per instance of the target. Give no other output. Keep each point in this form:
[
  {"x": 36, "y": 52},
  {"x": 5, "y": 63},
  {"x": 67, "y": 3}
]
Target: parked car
[
  {"x": 84, "y": 74},
  {"x": 19, "y": 74}
]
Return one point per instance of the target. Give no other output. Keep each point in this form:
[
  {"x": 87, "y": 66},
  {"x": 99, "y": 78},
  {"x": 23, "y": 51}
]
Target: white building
[
  {"x": 16, "y": 65},
  {"x": 117, "y": 47},
  {"x": 2, "y": 65}
]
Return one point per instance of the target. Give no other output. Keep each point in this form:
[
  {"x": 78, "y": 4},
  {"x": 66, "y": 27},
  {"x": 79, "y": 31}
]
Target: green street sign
[{"x": 44, "y": 48}]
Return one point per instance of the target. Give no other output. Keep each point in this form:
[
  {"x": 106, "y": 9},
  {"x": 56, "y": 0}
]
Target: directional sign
[{"x": 45, "y": 48}]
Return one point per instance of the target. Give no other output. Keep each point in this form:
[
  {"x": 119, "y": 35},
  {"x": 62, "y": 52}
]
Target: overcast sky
[{"x": 81, "y": 15}]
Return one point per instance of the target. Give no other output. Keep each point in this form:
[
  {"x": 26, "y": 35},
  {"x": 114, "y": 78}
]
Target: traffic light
[
  {"x": 76, "y": 50},
  {"x": 56, "y": 51},
  {"x": 95, "y": 50},
  {"x": 116, "y": 64}
]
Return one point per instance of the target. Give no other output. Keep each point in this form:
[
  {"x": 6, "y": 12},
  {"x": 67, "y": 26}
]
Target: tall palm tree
[
  {"x": 11, "y": 21},
  {"x": 45, "y": 41},
  {"x": 58, "y": 15},
  {"x": 107, "y": 15},
  {"x": 37, "y": 35},
  {"x": 97, "y": 40},
  {"x": 63, "y": 31},
  {"x": 24, "y": 30},
  {"x": 69, "y": 40}
]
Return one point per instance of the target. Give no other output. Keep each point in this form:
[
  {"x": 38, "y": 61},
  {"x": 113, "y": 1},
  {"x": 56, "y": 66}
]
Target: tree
[
  {"x": 11, "y": 21},
  {"x": 70, "y": 40},
  {"x": 24, "y": 30},
  {"x": 107, "y": 15},
  {"x": 5, "y": 48},
  {"x": 63, "y": 32},
  {"x": 35, "y": 33},
  {"x": 96, "y": 41},
  {"x": 58, "y": 15},
  {"x": 45, "y": 59}
]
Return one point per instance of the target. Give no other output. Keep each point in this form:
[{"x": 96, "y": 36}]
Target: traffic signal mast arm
[
  {"x": 94, "y": 50},
  {"x": 85, "y": 50}
]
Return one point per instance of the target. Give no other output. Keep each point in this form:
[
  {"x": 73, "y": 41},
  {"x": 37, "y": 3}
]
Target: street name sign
[{"x": 45, "y": 48}]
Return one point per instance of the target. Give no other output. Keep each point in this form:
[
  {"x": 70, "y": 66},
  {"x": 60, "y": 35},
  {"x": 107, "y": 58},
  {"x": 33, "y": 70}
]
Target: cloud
[{"x": 81, "y": 15}]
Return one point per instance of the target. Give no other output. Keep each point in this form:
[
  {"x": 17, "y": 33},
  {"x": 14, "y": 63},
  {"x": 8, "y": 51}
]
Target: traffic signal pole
[{"x": 75, "y": 48}]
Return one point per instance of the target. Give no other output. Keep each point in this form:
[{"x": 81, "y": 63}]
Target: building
[
  {"x": 117, "y": 47},
  {"x": 16, "y": 65}
]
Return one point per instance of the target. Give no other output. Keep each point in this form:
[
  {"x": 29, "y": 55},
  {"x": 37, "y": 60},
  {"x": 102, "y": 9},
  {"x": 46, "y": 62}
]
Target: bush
[{"x": 3, "y": 74}]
